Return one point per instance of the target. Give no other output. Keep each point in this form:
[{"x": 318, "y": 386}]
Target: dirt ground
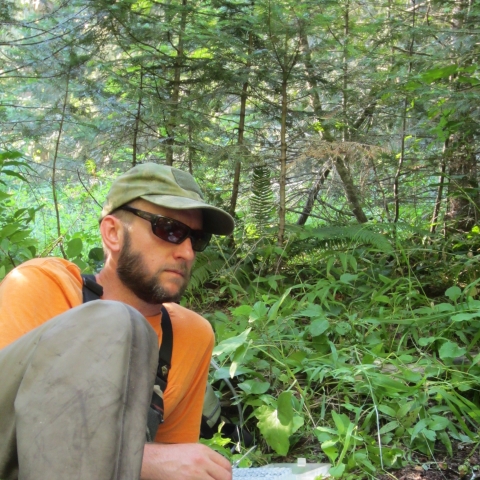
[{"x": 464, "y": 465}]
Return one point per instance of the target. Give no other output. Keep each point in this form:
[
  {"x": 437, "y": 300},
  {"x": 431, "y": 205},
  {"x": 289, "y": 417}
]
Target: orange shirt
[{"x": 40, "y": 289}]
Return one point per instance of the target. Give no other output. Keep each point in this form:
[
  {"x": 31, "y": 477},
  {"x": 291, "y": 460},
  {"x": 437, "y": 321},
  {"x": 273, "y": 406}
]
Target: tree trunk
[
  {"x": 54, "y": 166},
  {"x": 241, "y": 132},
  {"x": 283, "y": 162},
  {"x": 441, "y": 184},
  {"x": 343, "y": 172},
  {"x": 137, "y": 121},
  {"x": 172, "y": 122},
  {"x": 307, "y": 209},
  {"x": 401, "y": 160},
  {"x": 350, "y": 190}
]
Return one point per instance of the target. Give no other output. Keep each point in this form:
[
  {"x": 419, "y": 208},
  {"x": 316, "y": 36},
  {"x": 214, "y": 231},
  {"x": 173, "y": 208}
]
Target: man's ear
[{"x": 112, "y": 231}]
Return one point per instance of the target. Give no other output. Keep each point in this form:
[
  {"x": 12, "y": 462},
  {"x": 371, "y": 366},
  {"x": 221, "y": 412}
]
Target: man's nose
[{"x": 185, "y": 250}]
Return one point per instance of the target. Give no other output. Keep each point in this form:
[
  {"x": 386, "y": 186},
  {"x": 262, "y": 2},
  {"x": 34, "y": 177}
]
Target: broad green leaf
[
  {"x": 259, "y": 310},
  {"x": 11, "y": 173},
  {"x": 387, "y": 410},
  {"x": 237, "y": 359},
  {"x": 4, "y": 195},
  {"x": 389, "y": 383},
  {"x": 224, "y": 372},
  {"x": 444, "y": 307},
  {"x": 9, "y": 155},
  {"x": 74, "y": 248},
  {"x": 342, "y": 328},
  {"x": 320, "y": 432},
  {"x": 96, "y": 254},
  {"x": 231, "y": 344},
  {"x": 272, "y": 314},
  {"x": 421, "y": 425},
  {"x": 382, "y": 299},
  {"x": 453, "y": 293},
  {"x": 337, "y": 471},
  {"x": 242, "y": 311},
  {"x": 464, "y": 317},
  {"x": 330, "y": 449},
  {"x": 384, "y": 279},
  {"x": 346, "y": 441},
  {"x": 451, "y": 350},
  {"x": 254, "y": 387},
  {"x": 438, "y": 423},
  {"x": 347, "y": 278},
  {"x": 423, "y": 342},
  {"x": 389, "y": 427},
  {"x": 285, "y": 409},
  {"x": 9, "y": 230},
  {"x": 341, "y": 422},
  {"x": 439, "y": 73},
  {"x": 429, "y": 434},
  {"x": 360, "y": 458},
  {"x": 313, "y": 310},
  {"x": 275, "y": 433},
  {"x": 80, "y": 263},
  {"x": 318, "y": 326}
]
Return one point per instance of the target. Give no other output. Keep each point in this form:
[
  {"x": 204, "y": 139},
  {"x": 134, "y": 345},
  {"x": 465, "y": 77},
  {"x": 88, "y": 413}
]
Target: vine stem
[{"x": 54, "y": 165}]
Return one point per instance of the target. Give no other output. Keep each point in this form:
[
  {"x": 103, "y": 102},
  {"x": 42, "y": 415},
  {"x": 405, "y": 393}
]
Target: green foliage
[
  {"x": 16, "y": 243},
  {"x": 261, "y": 201},
  {"x": 344, "y": 321},
  {"x": 353, "y": 363}
]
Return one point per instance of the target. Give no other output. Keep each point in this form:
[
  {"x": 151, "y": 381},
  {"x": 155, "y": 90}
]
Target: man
[{"x": 76, "y": 379}]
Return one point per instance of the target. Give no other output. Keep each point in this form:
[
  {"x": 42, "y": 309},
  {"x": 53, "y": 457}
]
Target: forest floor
[{"x": 464, "y": 465}]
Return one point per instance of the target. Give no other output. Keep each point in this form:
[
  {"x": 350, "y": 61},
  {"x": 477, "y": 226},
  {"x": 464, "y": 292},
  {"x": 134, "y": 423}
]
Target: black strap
[
  {"x": 93, "y": 291},
  {"x": 156, "y": 413},
  {"x": 166, "y": 348}
]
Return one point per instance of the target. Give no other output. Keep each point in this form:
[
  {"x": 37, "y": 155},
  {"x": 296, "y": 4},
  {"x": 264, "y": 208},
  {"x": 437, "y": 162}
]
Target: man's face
[{"x": 156, "y": 271}]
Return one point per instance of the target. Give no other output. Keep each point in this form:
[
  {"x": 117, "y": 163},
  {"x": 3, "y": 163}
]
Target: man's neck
[{"x": 113, "y": 289}]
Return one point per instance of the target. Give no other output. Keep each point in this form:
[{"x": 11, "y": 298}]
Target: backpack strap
[
  {"x": 91, "y": 290},
  {"x": 156, "y": 412}
]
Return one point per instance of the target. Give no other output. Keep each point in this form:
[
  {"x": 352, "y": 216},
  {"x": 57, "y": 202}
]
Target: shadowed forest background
[{"x": 343, "y": 136}]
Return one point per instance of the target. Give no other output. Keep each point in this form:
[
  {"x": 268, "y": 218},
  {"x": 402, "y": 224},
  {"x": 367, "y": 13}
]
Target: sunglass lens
[
  {"x": 200, "y": 240},
  {"x": 170, "y": 230},
  {"x": 176, "y": 232}
]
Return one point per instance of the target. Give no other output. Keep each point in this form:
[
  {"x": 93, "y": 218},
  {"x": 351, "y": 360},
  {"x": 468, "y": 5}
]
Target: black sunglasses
[{"x": 172, "y": 230}]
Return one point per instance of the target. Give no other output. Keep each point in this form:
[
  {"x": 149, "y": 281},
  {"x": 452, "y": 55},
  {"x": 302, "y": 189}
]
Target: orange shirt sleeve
[
  {"x": 35, "y": 292},
  {"x": 193, "y": 342}
]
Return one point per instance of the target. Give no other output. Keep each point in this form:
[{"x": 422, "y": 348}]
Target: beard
[{"x": 132, "y": 272}]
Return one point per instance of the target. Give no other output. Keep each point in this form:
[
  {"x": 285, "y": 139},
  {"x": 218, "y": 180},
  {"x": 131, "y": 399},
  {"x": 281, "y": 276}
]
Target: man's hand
[{"x": 187, "y": 461}]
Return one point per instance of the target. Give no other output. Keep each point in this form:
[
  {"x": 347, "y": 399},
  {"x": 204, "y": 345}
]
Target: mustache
[{"x": 181, "y": 267}]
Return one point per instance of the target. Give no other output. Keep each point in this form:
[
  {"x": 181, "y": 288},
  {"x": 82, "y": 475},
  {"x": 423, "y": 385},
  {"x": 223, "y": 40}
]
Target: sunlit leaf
[
  {"x": 231, "y": 344},
  {"x": 451, "y": 350}
]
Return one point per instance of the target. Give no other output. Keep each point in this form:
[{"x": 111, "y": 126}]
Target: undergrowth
[
  {"x": 339, "y": 355},
  {"x": 356, "y": 346}
]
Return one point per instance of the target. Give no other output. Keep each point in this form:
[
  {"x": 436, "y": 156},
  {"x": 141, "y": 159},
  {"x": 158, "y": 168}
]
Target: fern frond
[
  {"x": 207, "y": 265},
  {"x": 262, "y": 202},
  {"x": 342, "y": 236}
]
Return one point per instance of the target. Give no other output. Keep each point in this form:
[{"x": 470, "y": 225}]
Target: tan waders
[{"x": 74, "y": 396}]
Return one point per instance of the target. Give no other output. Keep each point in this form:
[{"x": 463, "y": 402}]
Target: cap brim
[{"x": 215, "y": 220}]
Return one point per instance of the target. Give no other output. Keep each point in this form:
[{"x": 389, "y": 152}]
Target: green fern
[
  {"x": 261, "y": 202},
  {"x": 339, "y": 237},
  {"x": 207, "y": 265}
]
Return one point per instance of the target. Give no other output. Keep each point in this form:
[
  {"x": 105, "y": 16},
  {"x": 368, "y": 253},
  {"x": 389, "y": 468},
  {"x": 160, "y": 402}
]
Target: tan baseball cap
[{"x": 166, "y": 187}]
